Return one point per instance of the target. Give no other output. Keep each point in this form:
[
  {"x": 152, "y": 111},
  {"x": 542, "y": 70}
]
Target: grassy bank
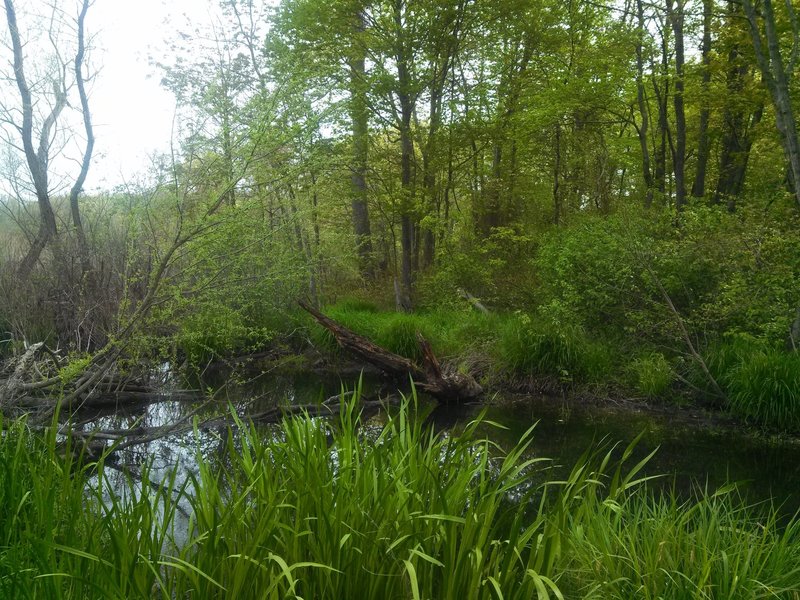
[
  {"x": 343, "y": 509},
  {"x": 761, "y": 383}
]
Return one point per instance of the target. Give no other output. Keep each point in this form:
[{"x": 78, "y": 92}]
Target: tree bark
[
  {"x": 407, "y": 101},
  {"x": 36, "y": 160},
  {"x": 644, "y": 114},
  {"x": 360, "y": 127},
  {"x": 699, "y": 185},
  {"x": 776, "y": 77},
  {"x": 676, "y": 17},
  {"x": 77, "y": 187},
  {"x": 557, "y": 200},
  {"x": 662, "y": 98}
]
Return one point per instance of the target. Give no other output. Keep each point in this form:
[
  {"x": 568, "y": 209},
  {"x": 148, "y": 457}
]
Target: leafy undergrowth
[{"x": 341, "y": 509}]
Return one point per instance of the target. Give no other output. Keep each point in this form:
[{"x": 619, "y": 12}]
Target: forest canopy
[{"x": 619, "y": 183}]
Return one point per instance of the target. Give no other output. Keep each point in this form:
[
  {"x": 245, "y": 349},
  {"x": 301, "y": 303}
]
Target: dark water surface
[{"x": 691, "y": 452}]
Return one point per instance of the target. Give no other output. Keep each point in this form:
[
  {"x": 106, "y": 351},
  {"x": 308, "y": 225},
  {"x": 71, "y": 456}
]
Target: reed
[{"x": 344, "y": 508}]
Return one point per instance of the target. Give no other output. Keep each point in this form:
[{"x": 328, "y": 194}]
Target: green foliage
[
  {"x": 762, "y": 383},
  {"x": 722, "y": 273},
  {"x": 652, "y": 374},
  {"x": 547, "y": 349},
  {"x": 236, "y": 295},
  {"x": 765, "y": 388},
  {"x": 344, "y": 510},
  {"x": 641, "y": 546},
  {"x": 74, "y": 367},
  {"x": 495, "y": 269},
  {"x": 219, "y": 331}
]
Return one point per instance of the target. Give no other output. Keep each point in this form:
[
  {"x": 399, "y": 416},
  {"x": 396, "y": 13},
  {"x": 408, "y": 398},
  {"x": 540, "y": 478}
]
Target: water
[{"x": 692, "y": 452}]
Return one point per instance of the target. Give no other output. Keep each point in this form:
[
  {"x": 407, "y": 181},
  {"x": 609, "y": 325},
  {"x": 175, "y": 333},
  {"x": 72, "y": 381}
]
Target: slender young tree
[
  {"x": 703, "y": 146},
  {"x": 359, "y": 118},
  {"x": 675, "y": 14}
]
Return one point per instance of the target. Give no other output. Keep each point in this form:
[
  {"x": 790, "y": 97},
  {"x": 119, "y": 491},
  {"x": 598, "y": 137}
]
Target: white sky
[{"x": 131, "y": 112}]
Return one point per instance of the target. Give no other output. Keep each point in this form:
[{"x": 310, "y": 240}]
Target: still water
[{"x": 691, "y": 453}]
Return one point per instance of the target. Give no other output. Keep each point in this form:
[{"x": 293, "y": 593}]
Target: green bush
[{"x": 220, "y": 332}]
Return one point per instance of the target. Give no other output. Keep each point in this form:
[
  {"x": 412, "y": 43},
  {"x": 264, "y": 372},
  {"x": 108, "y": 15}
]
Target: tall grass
[
  {"x": 766, "y": 389},
  {"x": 60, "y": 539},
  {"x": 647, "y": 546},
  {"x": 762, "y": 383},
  {"x": 543, "y": 349},
  {"x": 513, "y": 344},
  {"x": 344, "y": 509}
]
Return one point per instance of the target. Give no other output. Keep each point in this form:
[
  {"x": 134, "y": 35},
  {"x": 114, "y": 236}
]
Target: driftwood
[
  {"x": 93, "y": 443},
  {"x": 31, "y": 384},
  {"x": 446, "y": 385}
]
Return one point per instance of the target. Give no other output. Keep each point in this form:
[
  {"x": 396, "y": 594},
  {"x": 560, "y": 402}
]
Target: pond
[{"x": 691, "y": 450}]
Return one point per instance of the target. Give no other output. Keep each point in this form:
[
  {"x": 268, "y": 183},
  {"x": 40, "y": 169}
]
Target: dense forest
[{"x": 599, "y": 200}]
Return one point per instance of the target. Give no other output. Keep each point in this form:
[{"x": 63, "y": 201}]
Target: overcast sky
[{"x": 132, "y": 113}]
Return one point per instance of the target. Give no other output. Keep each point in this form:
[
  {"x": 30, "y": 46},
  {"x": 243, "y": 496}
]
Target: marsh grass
[
  {"x": 655, "y": 546},
  {"x": 513, "y": 344},
  {"x": 652, "y": 374},
  {"x": 346, "y": 509},
  {"x": 762, "y": 383},
  {"x": 536, "y": 348},
  {"x": 766, "y": 388}
]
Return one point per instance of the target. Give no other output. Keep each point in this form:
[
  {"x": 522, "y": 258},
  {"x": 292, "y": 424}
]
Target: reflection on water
[{"x": 688, "y": 455}]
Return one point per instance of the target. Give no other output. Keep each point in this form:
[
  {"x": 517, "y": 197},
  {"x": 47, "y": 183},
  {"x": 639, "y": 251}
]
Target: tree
[
  {"x": 699, "y": 185},
  {"x": 41, "y": 105},
  {"x": 777, "y": 74},
  {"x": 675, "y": 14},
  {"x": 359, "y": 118}
]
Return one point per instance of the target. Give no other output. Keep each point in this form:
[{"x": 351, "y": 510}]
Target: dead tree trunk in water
[{"x": 444, "y": 384}]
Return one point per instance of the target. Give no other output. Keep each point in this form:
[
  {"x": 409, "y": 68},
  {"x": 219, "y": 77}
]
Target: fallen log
[{"x": 444, "y": 384}]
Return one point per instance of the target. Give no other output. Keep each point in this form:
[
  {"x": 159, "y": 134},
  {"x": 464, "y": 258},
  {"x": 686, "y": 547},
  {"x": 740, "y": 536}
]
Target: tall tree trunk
[
  {"x": 429, "y": 177},
  {"x": 445, "y": 50},
  {"x": 36, "y": 160},
  {"x": 662, "y": 97},
  {"x": 77, "y": 187},
  {"x": 737, "y": 141},
  {"x": 557, "y": 193},
  {"x": 498, "y": 208},
  {"x": 699, "y": 185},
  {"x": 679, "y": 158},
  {"x": 777, "y": 76},
  {"x": 643, "y": 109},
  {"x": 360, "y": 127},
  {"x": 406, "y": 99}
]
